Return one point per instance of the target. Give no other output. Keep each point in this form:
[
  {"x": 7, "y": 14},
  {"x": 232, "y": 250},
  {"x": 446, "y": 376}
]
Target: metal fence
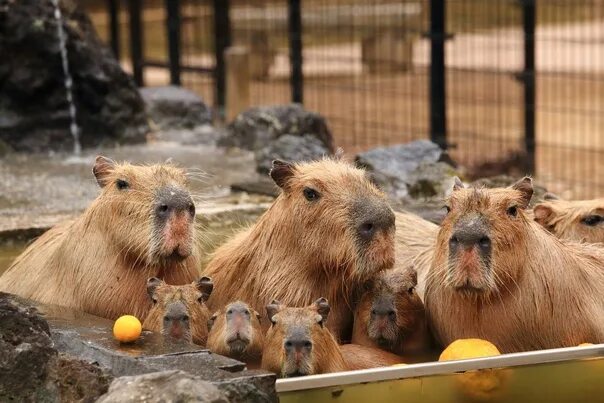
[{"x": 507, "y": 86}]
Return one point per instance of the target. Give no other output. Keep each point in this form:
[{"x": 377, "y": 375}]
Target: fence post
[
  {"x": 237, "y": 60},
  {"x": 438, "y": 99},
  {"x": 222, "y": 40},
  {"x": 136, "y": 41},
  {"x": 294, "y": 22},
  {"x": 173, "y": 27},
  {"x": 114, "y": 26},
  {"x": 528, "y": 75}
]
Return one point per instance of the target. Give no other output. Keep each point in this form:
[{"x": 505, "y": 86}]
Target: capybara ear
[
  {"x": 525, "y": 187},
  {"x": 272, "y": 309},
  {"x": 103, "y": 166},
  {"x": 152, "y": 285},
  {"x": 543, "y": 214},
  {"x": 212, "y": 320},
  {"x": 281, "y": 171},
  {"x": 205, "y": 285},
  {"x": 457, "y": 184},
  {"x": 323, "y": 308},
  {"x": 550, "y": 196}
]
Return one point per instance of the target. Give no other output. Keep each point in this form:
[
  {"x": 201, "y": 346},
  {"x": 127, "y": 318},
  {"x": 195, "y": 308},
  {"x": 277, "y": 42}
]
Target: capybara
[
  {"x": 579, "y": 220},
  {"x": 179, "y": 312},
  {"x": 328, "y": 231},
  {"x": 235, "y": 331},
  {"x": 140, "y": 226},
  {"x": 299, "y": 343},
  {"x": 499, "y": 276},
  {"x": 390, "y": 315},
  {"x": 357, "y": 356}
]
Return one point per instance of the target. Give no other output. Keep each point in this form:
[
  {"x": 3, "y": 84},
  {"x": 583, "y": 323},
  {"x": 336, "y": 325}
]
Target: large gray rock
[
  {"x": 290, "y": 148},
  {"x": 175, "y": 108},
  {"x": 34, "y": 112},
  {"x": 159, "y": 387}
]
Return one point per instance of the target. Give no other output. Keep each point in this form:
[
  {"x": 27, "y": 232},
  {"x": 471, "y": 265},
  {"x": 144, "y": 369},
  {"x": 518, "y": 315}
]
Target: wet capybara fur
[
  {"x": 390, "y": 315},
  {"x": 140, "y": 226},
  {"x": 357, "y": 356},
  {"x": 179, "y": 312},
  {"x": 298, "y": 341},
  {"x": 328, "y": 231},
  {"x": 578, "y": 220},
  {"x": 235, "y": 332},
  {"x": 500, "y": 276}
]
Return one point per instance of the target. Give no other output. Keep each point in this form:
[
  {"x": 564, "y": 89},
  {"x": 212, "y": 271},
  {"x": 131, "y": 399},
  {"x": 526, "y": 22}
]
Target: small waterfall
[{"x": 73, "y": 127}]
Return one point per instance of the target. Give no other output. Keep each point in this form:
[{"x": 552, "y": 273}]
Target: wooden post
[{"x": 237, "y": 61}]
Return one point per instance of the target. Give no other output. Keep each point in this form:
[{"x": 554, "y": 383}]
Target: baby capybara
[
  {"x": 328, "y": 231},
  {"x": 299, "y": 343},
  {"x": 140, "y": 226},
  {"x": 235, "y": 331},
  {"x": 498, "y": 275},
  {"x": 579, "y": 220},
  {"x": 179, "y": 312},
  {"x": 390, "y": 315}
]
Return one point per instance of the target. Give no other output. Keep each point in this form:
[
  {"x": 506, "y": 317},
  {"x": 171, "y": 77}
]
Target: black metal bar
[
  {"x": 438, "y": 94},
  {"x": 222, "y": 40},
  {"x": 173, "y": 27},
  {"x": 529, "y": 22},
  {"x": 114, "y": 26},
  {"x": 136, "y": 41},
  {"x": 294, "y": 21}
]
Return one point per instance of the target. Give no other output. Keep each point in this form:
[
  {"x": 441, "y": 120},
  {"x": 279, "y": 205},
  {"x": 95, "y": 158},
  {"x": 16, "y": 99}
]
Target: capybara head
[
  {"x": 579, "y": 220},
  {"x": 390, "y": 307},
  {"x": 482, "y": 236},
  {"x": 298, "y": 342},
  {"x": 235, "y": 331},
  {"x": 147, "y": 210},
  {"x": 331, "y": 211},
  {"x": 179, "y": 312}
]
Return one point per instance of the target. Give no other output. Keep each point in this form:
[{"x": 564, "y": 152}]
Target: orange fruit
[
  {"x": 127, "y": 329},
  {"x": 468, "y": 348}
]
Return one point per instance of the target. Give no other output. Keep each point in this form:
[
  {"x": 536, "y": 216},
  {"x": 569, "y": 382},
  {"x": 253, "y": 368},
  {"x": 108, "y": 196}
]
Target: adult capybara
[
  {"x": 140, "y": 226},
  {"x": 328, "y": 231},
  {"x": 357, "y": 356},
  {"x": 498, "y": 275},
  {"x": 579, "y": 220},
  {"x": 179, "y": 312},
  {"x": 299, "y": 342},
  {"x": 390, "y": 315},
  {"x": 235, "y": 331}
]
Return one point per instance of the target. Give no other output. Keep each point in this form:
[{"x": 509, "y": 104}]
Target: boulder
[
  {"x": 290, "y": 148},
  {"x": 34, "y": 110},
  {"x": 173, "y": 107}
]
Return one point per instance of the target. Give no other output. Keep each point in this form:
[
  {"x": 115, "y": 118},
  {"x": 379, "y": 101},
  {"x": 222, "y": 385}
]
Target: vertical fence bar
[
  {"x": 136, "y": 41},
  {"x": 294, "y": 20},
  {"x": 222, "y": 40},
  {"x": 438, "y": 100},
  {"x": 173, "y": 26},
  {"x": 113, "y": 8},
  {"x": 529, "y": 17}
]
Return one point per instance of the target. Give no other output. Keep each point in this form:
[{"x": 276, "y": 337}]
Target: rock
[
  {"x": 290, "y": 148},
  {"x": 34, "y": 111},
  {"x": 205, "y": 134},
  {"x": 413, "y": 170},
  {"x": 77, "y": 381},
  {"x": 165, "y": 386},
  {"x": 175, "y": 108},
  {"x": 263, "y": 186}
]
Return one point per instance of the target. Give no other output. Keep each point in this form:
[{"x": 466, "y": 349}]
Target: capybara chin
[
  {"x": 299, "y": 343},
  {"x": 235, "y": 331},
  {"x": 578, "y": 220},
  {"x": 498, "y": 275},
  {"x": 179, "y": 312},
  {"x": 328, "y": 231},
  {"x": 390, "y": 315},
  {"x": 140, "y": 226}
]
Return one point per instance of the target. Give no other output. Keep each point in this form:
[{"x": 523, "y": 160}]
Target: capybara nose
[
  {"x": 176, "y": 312},
  {"x": 297, "y": 344},
  {"x": 372, "y": 218},
  {"x": 170, "y": 200},
  {"x": 383, "y": 311},
  {"x": 470, "y": 239}
]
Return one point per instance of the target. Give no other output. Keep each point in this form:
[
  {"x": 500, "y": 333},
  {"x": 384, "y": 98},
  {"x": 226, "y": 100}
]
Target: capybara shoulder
[
  {"x": 357, "y": 356},
  {"x": 328, "y": 231},
  {"x": 179, "y": 312},
  {"x": 499, "y": 276},
  {"x": 141, "y": 225}
]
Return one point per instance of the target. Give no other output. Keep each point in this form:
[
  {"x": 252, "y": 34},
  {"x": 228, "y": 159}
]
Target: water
[{"x": 73, "y": 127}]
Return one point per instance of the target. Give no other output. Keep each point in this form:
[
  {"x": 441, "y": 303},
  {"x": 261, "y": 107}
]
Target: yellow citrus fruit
[
  {"x": 127, "y": 328},
  {"x": 398, "y": 365},
  {"x": 468, "y": 348},
  {"x": 585, "y": 344}
]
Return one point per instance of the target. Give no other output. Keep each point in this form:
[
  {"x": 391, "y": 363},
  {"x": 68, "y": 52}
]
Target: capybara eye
[
  {"x": 121, "y": 184},
  {"x": 512, "y": 211},
  {"x": 185, "y": 318},
  {"x": 447, "y": 209},
  {"x": 230, "y": 312},
  {"x": 410, "y": 290},
  {"x": 247, "y": 313},
  {"x": 154, "y": 300},
  {"x": 192, "y": 209},
  {"x": 592, "y": 220},
  {"x": 311, "y": 194},
  {"x": 200, "y": 299}
]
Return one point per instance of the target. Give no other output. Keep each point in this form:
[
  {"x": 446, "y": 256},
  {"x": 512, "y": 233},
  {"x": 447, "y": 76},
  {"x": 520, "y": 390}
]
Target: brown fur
[
  {"x": 539, "y": 292},
  {"x": 100, "y": 261},
  {"x": 364, "y": 357},
  {"x": 192, "y": 296},
  {"x": 325, "y": 356},
  {"x": 300, "y": 250},
  {"x": 407, "y": 333},
  {"x": 569, "y": 219},
  {"x": 220, "y": 330}
]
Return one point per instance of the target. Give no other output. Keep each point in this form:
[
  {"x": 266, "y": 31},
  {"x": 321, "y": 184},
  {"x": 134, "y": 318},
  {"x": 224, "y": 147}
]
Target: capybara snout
[
  {"x": 174, "y": 214},
  {"x": 371, "y": 218},
  {"x": 176, "y": 322}
]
